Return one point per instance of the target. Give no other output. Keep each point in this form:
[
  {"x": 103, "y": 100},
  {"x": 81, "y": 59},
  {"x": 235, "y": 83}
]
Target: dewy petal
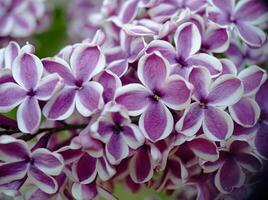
[
  {"x": 191, "y": 120},
  {"x": 133, "y": 136},
  {"x": 128, "y": 95},
  {"x": 252, "y": 78},
  {"x": 229, "y": 176},
  {"x": 208, "y": 61},
  {"x": 245, "y": 112},
  {"x": 12, "y": 149},
  {"x": 29, "y": 115},
  {"x": 141, "y": 166},
  {"x": 250, "y": 11},
  {"x": 42, "y": 181},
  {"x": 153, "y": 70},
  {"x": 225, "y": 90},
  {"x": 89, "y": 98},
  {"x": 12, "y": 171},
  {"x": 11, "y": 95},
  {"x": 11, "y": 52},
  {"x": 116, "y": 148},
  {"x": 86, "y": 61},
  {"x": 47, "y": 87},
  {"x": 48, "y": 162},
  {"x": 200, "y": 78},
  {"x": 187, "y": 40},
  {"x": 84, "y": 191},
  {"x": 84, "y": 170},
  {"x": 59, "y": 66},
  {"x": 176, "y": 93},
  {"x": 27, "y": 70},
  {"x": 61, "y": 106},
  {"x": 128, "y": 11},
  {"x": 156, "y": 122},
  {"x": 251, "y": 35},
  {"x": 249, "y": 161},
  {"x": 217, "y": 124},
  {"x": 204, "y": 149}
]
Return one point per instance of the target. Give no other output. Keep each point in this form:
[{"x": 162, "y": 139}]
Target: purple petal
[
  {"x": 251, "y": 35},
  {"x": 11, "y": 95},
  {"x": 47, "y": 87},
  {"x": 59, "y": 66},
  {"x": 138, "y": 30},
  {"x": 12, "y": 171},
  {"x": 156, "y": 122},
  {"x": 105, "y": 170},
  {"x": 89, "y": 98},
  {"x": 200, "y": 78},
  {"x": 12, "y": 149},
  {"x": 128, "y": 11},
  {"x": 191, "y": 121},
  {"x": 208, "y": 61},
  {"x": 6, "y": 76},
  {"x": 61, "y": 106},
  {"x": 140, "y": 166},
  {"x": 261, "y": 141},
  {"x": 23, "y": 25},
  {"x": 132, "y": 136},
  {"x": 128, "y": 95},
  {"x": 84, "y": 170},
  {"x": 245, "y": 112},
  {"x": 176, "y": 93},
  {"x": 84, "y": 191},
  {"x": 225, "y": 90},
  {"x": 27, "y": 70},
  {"x": 116, "y": 149},
  {"x": 235, "y": 53},
  {"x": 225, "y": 6},
  {"x": 217, "y": 16},
  {"x": 217, "y": 124},
  {"x": 228, "y": 67},
  {"x": 153, "y": 70},
  {"x": 11, "y": 52},
  {"x": 229, "y": 176},
  {"x": 187, "y": 40},
  {"x": 86, "y": 61},
  {"x": 29, "y": 115},
  {"x": 252, "y": 78},
  {"x": 44, "y": 182},
  {"x": 204, "y": 149},
  {"x": 48, "y": 162},
  {"x": 177, "y": 171},
  {"x": 119, "y": 67},
  {"x": 249, "y": 161},
  {"x": 262, "y": 98}
]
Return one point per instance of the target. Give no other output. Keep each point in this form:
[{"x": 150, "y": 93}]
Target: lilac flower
[
  {"x": 85, "y": 62},
  {"x": 187, "y": 43},
  {"x": 160, "y": 90},
  {"x": 28, "y": 88},
  {"x": 244, "y": 16},
  {"x": 229, "y": 166},
  {"x": 210, "y": 99},
  {"x": 115, "y": 129},
  {"x": 39, "y": 165}
]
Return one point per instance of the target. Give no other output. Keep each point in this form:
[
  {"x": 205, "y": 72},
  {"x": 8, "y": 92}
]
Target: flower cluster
[
  {"x": 165, "y": 95},
  {"x": 20, "y": 19}
]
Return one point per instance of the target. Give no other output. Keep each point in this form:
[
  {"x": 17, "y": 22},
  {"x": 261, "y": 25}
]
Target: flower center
[
  {"x": 156, "y": 96},
  {"x": 181, "y": 61},
  {"x": 117, "y": 128},
  {"x": 203, "y": 105},
  {"x": 31, "y": 93},
  {"x": 79, "y": 83}
]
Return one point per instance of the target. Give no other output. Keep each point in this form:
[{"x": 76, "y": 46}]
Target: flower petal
[
  {"x": 128, "y": 95},
  {"x": 156, "y": 122},
  {"x": 187, "y": 40},
  {"x": 225, "y": 6},
  {"x": 84, "y": 170},
  {"x": 249, "y": 161},
  {"x": 245, "y": 112},
  {"x": 11, "y": 52},
  {"x": 225, "y": 90},
  {"x": 42, "y": 181},
  {"x": 153, "y": 70},
  {"x": 86, "y": 61},
  {"x": 262, "y": 98},
  {"x": 84, "y": 191},
  {"x": 119, "y": 67},
  {"x": 261, "y": 141},
  {"x": 48, "y": 162},
  {"x": 252, "y": 78},
  {"x": 128, "y": 11},
  {"x": 176, "y": 93},
  {"x": 47, "y": 87},
  {"x": 6, "y": 76},
  {"x": 61, "y": 106},
  {"x": 105, "y": 170},
  {"x": 133, "y": 136},
  {"x": 27, "y": 70},
  {"x": 11, "y": 95},
  {"x": 116, "y": 149},
  {"x": 59, "y": 66},
  {"x": 29, "y": 115},
  {"x": 89, "y": 98},
  {"x": 228, "y": 67},
  {"x": 12, "y": 171},
  {"x": 191, "y": 120},
  {"x": 217, "y": 124},
  {"x": 141, "y": 167}
]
